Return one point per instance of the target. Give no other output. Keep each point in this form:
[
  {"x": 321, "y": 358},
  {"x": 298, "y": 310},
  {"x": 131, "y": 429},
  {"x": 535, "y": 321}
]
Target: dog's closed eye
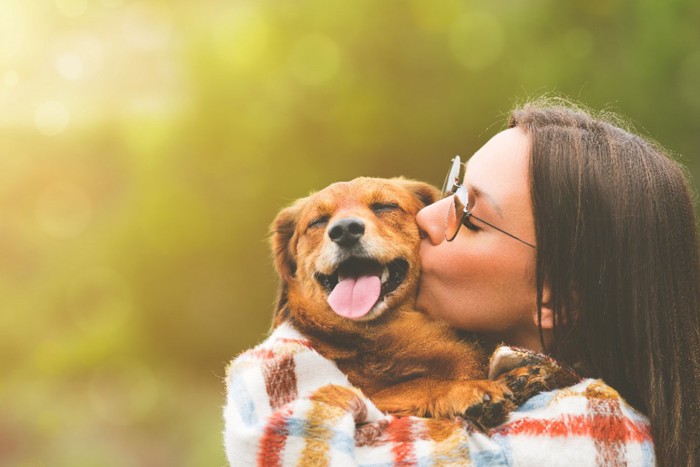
[
  {"x": 379, "y": 208},
  {"x": 318, "y": 222}
]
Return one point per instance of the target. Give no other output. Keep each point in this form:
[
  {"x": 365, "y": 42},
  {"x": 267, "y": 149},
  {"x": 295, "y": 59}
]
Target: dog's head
[{"x": 350, "y": 251}]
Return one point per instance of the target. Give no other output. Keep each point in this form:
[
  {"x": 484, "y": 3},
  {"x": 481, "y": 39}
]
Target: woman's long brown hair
[{"x": 617, "y": 247}]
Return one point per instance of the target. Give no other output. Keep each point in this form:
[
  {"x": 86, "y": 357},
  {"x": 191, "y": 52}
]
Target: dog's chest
[{"x": 373, "y": 371}]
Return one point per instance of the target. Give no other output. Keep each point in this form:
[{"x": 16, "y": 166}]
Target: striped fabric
[{"x": 288, "y": 406}]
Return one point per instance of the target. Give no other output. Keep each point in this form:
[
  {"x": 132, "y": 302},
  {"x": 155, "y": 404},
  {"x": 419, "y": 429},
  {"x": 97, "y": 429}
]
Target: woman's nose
[{"x": 432, "y": 219}]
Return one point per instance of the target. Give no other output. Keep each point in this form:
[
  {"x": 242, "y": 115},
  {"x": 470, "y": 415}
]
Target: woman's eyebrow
[{"x": 479, "y": 193}]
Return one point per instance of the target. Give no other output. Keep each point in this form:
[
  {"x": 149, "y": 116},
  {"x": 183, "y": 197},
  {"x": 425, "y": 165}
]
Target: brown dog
[{"x": 348, "y": 261}]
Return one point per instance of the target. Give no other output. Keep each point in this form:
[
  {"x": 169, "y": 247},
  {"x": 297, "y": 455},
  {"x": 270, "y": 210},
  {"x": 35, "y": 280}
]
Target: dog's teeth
[{"x": 385, "y": 274}]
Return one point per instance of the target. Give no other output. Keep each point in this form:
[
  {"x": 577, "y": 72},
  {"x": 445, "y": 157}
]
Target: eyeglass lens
[
  {"x": 454, "y": 186},
  {"x": 454, "y": 178}
]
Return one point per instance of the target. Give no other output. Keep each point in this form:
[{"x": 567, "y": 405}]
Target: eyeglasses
[{"x": 454, "y": 186}]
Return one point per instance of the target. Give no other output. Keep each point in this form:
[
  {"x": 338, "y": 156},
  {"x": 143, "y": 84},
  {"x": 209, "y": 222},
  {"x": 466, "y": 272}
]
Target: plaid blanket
[{"x": 288, "y": 406}]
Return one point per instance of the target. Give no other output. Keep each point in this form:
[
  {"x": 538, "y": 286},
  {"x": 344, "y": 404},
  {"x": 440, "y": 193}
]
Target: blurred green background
[{"x": 145, "y": 147}]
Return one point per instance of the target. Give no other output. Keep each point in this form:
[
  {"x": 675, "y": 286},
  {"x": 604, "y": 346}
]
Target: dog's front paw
[
  {"x": 486, "y": 403},
  {"x": 528, "y": 381}
]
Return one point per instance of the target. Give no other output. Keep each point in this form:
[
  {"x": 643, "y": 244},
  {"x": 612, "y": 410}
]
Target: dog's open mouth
[{"x": 359, "y": 284}]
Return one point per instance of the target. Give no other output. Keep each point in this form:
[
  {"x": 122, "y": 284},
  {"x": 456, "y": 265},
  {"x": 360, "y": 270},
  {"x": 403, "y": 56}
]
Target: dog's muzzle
[
  {"x": 359, "y": 284},
  {"x": 346, "y": 232}
]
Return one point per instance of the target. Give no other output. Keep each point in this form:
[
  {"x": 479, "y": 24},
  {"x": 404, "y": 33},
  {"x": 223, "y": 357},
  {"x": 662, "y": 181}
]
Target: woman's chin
[
  {"x": 428, "y": 304},
  {"x": 422, "y": 303}
]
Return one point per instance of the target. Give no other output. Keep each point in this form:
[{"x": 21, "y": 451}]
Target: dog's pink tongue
[{"x": 354, "y": 297}]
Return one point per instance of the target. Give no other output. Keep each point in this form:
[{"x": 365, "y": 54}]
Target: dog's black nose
[{"x": 346, "y": 232}]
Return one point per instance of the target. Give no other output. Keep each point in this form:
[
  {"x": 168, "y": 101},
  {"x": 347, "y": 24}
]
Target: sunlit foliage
[{"x": 145, "y": 147}]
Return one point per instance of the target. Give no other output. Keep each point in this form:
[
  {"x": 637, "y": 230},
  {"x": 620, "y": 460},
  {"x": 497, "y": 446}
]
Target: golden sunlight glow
[
  {"x": 11, "y": 78},
  {"x": 72, "y": 8},
  {"x": 51, "y": 117},
  {"x": 63, "y": 210},
  {"x": 70, "y": 66},
  {"x": 147, "y": 145},
  {"x": 12, "y": 29}
]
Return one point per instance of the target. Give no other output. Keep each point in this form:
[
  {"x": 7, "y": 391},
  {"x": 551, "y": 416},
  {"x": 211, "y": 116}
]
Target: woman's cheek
[{"x": 431, "y": 259}]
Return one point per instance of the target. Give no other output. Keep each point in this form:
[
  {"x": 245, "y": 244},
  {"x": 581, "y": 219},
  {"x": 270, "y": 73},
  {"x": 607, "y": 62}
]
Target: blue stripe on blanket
[
  {"x": 478, "y": 459},
  {"x": 539, "y": 401},
  {"x": 242, "y": 400},
  {"x": 647, "y": 453},
  {"x": 489, "y": 458},
  {"x": 339, "y": 441}
]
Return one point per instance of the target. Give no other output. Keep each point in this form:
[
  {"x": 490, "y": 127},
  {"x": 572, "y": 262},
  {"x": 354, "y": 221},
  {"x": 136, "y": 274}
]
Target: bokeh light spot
[
  {"x": 314, "y": 59},
  {"x": 80, "y": 56},
  {"x": 70, "y": 66},
  {"x": 579, "y": 42},
  {"x": 72, "y": 8},
  {"x": 63, "y": 210},
  {"x": 146, "y": 27},
  {"x": 477, "y": 40},
  {"x": 51, "y": 118}
]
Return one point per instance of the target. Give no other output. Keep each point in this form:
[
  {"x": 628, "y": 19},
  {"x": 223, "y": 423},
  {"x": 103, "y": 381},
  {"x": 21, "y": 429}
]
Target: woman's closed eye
[{"x": 467, "y": 222}]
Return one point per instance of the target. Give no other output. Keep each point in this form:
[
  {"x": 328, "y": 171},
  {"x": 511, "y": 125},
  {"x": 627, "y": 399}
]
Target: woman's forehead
[{"x": 500, "y": 167}]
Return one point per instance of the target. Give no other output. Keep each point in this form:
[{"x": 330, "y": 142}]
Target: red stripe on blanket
[
  {"x": 301, "y": 342},
  {"x": 274, "y": 439},
  {"x": 599, "y": 427},
  {"x": 402, "y": 432},
  {"x": 280, "y": 380},
  {"x": 265, "y": 353},
  {"x": 262, "y": 354},
  {"x": 609, "y": 431}
]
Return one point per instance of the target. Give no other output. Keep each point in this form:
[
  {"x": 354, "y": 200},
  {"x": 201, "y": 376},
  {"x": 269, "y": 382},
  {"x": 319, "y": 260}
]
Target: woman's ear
[{"x": 545, "y": 318}]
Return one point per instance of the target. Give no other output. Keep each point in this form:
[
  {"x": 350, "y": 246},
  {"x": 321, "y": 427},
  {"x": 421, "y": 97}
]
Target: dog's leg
[
  {"x": 529, "y": 380},
  {"x": 484, "y": 402}
]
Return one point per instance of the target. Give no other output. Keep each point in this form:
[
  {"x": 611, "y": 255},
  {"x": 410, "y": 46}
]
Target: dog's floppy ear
[
  {"x": 284, "y": 252},
  {"x": 283, "y": 249},
  {"x": 424, "y": 192}
]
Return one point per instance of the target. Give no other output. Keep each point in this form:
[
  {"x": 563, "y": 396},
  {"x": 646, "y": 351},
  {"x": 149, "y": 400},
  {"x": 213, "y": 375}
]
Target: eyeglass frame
[{"x": 466, "y": 212}]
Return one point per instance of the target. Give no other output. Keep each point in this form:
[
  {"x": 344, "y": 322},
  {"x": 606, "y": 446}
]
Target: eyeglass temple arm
[{"x": 469, "y": 213}]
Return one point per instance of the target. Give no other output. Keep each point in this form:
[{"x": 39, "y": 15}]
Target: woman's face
[{"x": 484, "y": 281}]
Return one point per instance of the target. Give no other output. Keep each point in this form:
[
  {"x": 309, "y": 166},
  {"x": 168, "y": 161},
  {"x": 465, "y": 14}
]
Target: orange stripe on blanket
[
  {"x": 450, "y": 441},
  {"x": 330, "y": 403},
  {"x": 596, "y": 427}
]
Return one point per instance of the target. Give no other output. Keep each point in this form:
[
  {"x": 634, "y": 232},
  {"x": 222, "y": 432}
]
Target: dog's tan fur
[{"x": 405, "y": 362}]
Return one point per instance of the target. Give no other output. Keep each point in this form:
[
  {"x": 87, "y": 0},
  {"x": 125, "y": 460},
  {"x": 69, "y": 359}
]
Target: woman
[{"x": 565, "y": 235}]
